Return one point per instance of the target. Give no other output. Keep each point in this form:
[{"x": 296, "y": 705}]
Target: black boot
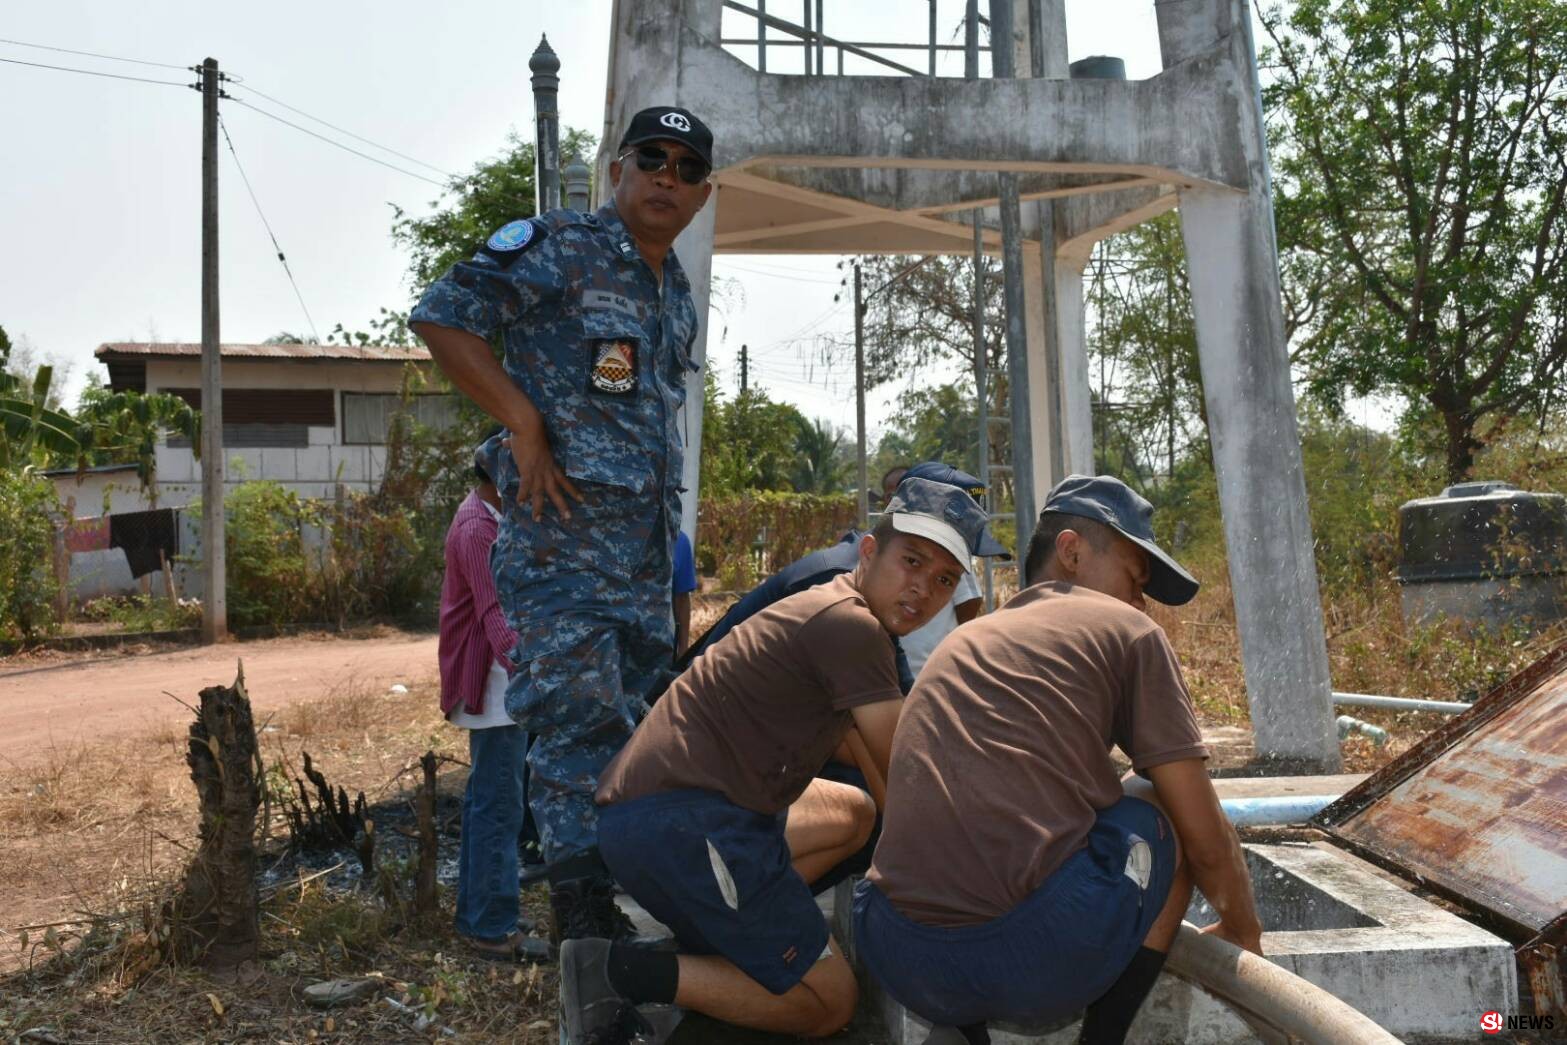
[{"x": 582, "y": 900}]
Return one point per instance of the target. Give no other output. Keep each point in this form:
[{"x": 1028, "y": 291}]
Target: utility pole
[
  {"x": 214, "y": 602},
  {"x": 546, "y": 126},
  {"x": 745, "y": 368},
  {"x": 862, "y": 502}
]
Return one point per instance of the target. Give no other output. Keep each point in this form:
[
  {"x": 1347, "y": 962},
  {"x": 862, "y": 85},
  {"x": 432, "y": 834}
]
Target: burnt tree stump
[
  {"x": 424, "y": 882},
  {"x": 215, "y": 915}
]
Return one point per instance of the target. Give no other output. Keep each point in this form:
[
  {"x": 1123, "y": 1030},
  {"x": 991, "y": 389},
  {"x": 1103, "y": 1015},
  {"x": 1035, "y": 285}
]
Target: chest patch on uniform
[
  {"x": 610, "y": 300},
  {"x": 614, "y": 370},
  {"x": 507, "y": 243}
]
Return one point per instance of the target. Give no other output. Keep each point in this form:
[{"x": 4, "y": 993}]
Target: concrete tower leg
[
  {"x": 1043, "y": 384},
  {"x": 1262, "y": 490},
  {"x": 694, "y": 247},
  {"x": 1071, "y": 336},
  {"x": 1232, "y": 263}
]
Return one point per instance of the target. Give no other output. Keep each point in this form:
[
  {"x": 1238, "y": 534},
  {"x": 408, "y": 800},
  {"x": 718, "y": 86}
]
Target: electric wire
[
  {"x": 94, "y": 54},
  {"x": 351, "y": 134},
  {"x": 93, "y": 72},
  {"x": 268, "y": 226},
  {"x": 338, "y": 144}
]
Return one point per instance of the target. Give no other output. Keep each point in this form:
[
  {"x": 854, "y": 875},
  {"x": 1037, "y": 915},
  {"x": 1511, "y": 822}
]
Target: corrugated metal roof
[
  {"x": 1478, "y": 809},
  {"x": 176, "y": 350}
]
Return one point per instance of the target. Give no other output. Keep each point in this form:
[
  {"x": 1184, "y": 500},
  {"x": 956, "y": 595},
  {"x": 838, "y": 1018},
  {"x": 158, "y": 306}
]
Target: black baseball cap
[
  {"x": 1106, "y": 499},
  {"x": 944, "y": 514},
  {"x": 670, "y": 123},
  {"x": 940, "y": 472}
]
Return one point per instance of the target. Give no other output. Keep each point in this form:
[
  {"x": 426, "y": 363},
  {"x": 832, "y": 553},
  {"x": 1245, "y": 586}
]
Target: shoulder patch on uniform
[
  {"x": 508, "y": 242},
  {"x": 514, "y": 235}
]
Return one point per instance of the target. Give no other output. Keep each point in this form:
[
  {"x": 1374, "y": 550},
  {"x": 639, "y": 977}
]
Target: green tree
[
  {"x": 1147, "y": 385},
  {"x": 496, "y": 191},
  {"x": 819, "y": 464},
  {"x": 1421, "y": 163},
  {"x": 748, "y": 443},
  {"x": 930, "y": 424}
]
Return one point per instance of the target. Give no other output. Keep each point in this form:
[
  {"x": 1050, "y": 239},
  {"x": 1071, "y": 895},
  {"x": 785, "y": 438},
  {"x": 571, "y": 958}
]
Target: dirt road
[{"x": 106, "y": 695}]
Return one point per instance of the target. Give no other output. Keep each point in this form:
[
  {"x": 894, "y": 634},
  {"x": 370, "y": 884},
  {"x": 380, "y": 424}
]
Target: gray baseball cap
[
  {"x": 1106, "y": 499},
  {"x": 940, "y": 472},
  {"x": 944, "y": 514}
]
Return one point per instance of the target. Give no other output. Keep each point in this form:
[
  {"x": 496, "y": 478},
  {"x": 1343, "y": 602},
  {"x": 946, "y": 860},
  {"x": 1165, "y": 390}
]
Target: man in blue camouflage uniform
[{"x": 595, "y": 317}]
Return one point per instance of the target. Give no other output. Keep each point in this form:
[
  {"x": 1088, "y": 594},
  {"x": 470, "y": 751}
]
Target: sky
[{"x": 100, "y": 186}]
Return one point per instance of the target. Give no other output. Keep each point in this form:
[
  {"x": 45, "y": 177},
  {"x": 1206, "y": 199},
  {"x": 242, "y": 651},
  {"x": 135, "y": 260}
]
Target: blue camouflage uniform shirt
[{"x": 603, "y": 352}]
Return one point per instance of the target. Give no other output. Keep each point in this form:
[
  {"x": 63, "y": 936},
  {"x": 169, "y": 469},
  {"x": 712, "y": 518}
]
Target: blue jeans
[{"x": 493, "y": 807}]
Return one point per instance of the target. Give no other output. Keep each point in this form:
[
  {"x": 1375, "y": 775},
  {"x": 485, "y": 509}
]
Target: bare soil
[{"x": 50, "y": 703}]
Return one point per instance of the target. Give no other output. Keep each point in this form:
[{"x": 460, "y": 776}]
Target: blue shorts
[
  {"x": 719, "y": 876},
  {"x": 1049, "y": 956}
]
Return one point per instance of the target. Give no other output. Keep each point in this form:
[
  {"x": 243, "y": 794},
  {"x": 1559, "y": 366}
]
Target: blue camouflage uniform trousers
[{"x": 603, "y": 351}]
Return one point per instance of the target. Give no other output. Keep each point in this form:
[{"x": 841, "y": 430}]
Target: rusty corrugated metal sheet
[
  {"x": 367, "y": 353},
  {"x": 1478, "y": 810}
]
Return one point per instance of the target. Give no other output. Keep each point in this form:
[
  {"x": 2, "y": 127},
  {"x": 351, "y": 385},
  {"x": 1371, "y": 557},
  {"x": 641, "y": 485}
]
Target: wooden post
[{"x": 62, "y": 566}]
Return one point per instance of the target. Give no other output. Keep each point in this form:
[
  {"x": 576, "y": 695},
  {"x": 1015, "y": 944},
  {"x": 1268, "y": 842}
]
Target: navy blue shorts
[
  {"x": 1049, "y": 956},
  {"x": 719, "y": 876}
]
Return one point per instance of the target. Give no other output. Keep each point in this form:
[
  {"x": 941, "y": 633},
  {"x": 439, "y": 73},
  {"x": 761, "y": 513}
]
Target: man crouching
[
  {"x": 1017, "y": 877},
  {"x": 711, "y": 819}
]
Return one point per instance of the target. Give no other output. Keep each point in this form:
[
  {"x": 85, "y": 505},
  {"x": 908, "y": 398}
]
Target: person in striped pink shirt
[{"x": 476, "y": 656}]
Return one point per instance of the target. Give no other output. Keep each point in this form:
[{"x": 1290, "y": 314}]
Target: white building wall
[{"x": 310, "y": 471}]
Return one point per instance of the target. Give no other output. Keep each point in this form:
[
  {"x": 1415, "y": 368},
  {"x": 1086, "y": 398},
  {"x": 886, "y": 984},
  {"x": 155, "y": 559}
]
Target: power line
[
  {"x": 94, "y": 54},
  {"x": 268, "y": 226},
  {"x": 351, "y": 134},
  {"x": 93, "y": 72},
  {"x": 338, "y": 144}
]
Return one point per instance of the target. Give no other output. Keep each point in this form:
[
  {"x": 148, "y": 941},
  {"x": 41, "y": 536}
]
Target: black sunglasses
[{"x": 651, "y": 159}]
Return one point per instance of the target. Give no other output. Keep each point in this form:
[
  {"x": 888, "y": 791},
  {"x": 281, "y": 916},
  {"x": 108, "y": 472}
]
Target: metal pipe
[
  {"x": 982, "y": 389},
  {"x": 933, "y": 37},
  {"x": 761, "y": 36},
  {"x": 1347, "y": 725},
  {"x": 1368, "y": 700},
  {"x": 971, "y": 40},
  {"x": 1263, "y": 993},
  {"x": 862, "y": 498},
  {"x": 1003, "y": 68},
  {"x": 1275, "y": 811}
]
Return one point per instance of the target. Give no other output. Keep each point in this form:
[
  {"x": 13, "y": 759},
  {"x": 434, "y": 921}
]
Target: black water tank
[{"x": 1483, "y": 551}]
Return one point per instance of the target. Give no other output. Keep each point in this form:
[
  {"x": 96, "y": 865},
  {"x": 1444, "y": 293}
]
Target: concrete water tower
[{"x": 897, "y": 164}]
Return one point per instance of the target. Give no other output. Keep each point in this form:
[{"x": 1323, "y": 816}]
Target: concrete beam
[{"x": 1179, "y": 126}]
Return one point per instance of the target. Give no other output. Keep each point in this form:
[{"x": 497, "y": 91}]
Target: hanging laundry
[{"x": 147, "y": 538}]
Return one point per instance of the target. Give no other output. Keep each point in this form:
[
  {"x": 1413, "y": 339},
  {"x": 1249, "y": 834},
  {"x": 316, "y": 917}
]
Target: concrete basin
[{"x": 1419, "y": 971}]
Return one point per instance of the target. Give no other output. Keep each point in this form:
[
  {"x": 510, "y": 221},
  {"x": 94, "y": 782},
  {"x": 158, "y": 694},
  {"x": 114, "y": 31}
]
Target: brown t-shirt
[
  {"x": 759, "y": 714},
  {"x": 1002, "y": 755}
]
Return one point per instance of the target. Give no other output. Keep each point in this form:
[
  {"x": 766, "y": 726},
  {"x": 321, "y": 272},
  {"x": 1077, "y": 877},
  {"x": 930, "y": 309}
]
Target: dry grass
[{"x": 95, "y": 837}]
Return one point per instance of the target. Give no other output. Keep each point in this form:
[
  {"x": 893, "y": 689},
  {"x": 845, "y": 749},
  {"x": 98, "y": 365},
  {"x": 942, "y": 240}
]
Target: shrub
[
  {"x": 28, "y": 508},
  {"x": 786, "y": 525},
  {"x": 269, "y": 574}
]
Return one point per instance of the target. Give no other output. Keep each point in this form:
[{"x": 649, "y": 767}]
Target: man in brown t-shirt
[
  {"x": 711, "y": 816},
  {"x": 1015, "y": 879}
]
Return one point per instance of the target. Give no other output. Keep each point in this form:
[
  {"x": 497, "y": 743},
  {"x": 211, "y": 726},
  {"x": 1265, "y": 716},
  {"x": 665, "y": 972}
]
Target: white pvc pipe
[
  {"x": 1265, "y": 995},
  {"x": 1369, "y": 700},
  {"x": 1275, "y": 811}
]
